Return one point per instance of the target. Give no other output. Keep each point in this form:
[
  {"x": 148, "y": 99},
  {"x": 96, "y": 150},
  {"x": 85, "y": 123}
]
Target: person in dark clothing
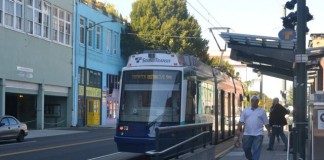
[{"x": 276, "y": 121}]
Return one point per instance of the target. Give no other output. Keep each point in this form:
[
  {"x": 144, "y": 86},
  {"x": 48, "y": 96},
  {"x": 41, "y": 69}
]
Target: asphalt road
[{"x": 94, "y": 144}]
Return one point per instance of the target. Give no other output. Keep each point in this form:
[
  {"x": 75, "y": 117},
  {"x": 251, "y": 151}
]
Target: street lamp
[{"x": 85, "y": 67}]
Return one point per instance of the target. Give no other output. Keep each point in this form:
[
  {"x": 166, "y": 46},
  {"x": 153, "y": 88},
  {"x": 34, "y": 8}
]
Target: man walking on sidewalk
[
  {"x": 277, "y": 120},
  {"x": 253, "y": 118}
]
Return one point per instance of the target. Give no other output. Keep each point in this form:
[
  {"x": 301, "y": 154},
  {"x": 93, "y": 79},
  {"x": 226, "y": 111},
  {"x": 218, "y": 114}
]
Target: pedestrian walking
[
  {"x": 277, "y": 121},
  {"x": 253, "y": 118}
]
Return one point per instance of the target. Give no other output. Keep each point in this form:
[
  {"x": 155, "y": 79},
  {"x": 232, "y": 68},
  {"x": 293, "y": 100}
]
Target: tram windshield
[{"x": 151, "y": 96}]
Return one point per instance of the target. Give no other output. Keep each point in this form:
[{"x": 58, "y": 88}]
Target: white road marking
[{"x": 105, "y": 156}]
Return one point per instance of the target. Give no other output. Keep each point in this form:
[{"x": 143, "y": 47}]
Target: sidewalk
[
  {"x": 276, "y": 154},
  {"x": 111, "y": 123}
]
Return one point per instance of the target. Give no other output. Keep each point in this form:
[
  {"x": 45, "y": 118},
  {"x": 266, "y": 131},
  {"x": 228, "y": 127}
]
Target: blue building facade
[{"x": 104, "y": 63}]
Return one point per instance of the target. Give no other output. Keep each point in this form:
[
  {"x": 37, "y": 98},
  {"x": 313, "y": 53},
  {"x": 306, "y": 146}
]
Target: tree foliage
[
  {"x": 290, "y": 96},
  {"x": 265, "y": 102},
  {"x": 224, "y": 66},
  {"x": 107, "y": 8},
  {"x": 129, "y": 44},
  {"x": 166, "y": 25}
]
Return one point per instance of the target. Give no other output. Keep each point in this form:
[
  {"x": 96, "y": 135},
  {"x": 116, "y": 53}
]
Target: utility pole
[
  {"x": 84, "y": 114},
  {"x": 300, "y": 82}
]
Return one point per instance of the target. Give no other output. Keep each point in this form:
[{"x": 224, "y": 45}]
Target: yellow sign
[{"x": 91, "y": 92}]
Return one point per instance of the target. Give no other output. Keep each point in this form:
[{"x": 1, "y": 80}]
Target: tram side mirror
[{"x": 193, "y": 88}]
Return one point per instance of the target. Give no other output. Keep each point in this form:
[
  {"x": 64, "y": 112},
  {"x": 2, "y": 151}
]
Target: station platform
[{"x": 227, "y": 151}]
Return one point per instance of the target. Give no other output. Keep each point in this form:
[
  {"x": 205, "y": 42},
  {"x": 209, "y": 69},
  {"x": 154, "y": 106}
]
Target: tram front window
[{"x": 151, "y": 96}]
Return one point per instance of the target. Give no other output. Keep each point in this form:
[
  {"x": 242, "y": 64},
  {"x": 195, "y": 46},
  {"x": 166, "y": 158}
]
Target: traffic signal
[
  {"x": 290, "y": 21},
  {"x": 290, "y": 4}
]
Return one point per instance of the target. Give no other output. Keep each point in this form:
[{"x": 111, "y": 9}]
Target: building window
[
  {"x": 90, "y": 32},
  {"x": 98, "y": 37},
  {"x": 11, "y": 13},
  {"x": 108, "y": 41},
  {"x": 93, "y": 78},
  {"x": 112, "y": 82},
  {"x": 19, "y": 14},
  {"x": 46, "y": 19},
  {"x": 62, "y": 26},
  {"x": 38, "y": 18},
  {"x": 115, "y": 43},
  {"x": 82, "y": 30},
  {"x": 68, "y": 20},
  {"x": 55, "y": 24}
]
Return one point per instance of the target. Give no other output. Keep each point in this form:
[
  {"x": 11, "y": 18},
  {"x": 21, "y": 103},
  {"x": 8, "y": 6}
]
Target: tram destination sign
[{"x": 152, "y": 76}]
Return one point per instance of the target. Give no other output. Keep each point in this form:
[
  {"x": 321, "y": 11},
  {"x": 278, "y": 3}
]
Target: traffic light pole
[{"x": 300, "y": 81}]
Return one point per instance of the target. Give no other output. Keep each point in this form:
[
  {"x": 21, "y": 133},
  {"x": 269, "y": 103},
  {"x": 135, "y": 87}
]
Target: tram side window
[{"x": 190, "y": 102}]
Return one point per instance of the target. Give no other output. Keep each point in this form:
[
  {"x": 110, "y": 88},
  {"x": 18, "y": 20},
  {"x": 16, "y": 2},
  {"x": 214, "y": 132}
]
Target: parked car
[{"x": 12, "y": 128}]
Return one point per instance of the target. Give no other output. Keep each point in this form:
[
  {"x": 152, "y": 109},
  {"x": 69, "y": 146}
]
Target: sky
[{"x": 254, "y": 17}]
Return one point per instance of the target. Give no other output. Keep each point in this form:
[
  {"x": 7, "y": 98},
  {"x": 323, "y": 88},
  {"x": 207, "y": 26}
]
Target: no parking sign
[{"x": 320, "y": 119}]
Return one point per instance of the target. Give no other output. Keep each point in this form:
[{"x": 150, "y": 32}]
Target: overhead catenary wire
[
  {"x": 209, "y": 13},
  {"x": 200, "y": 13},
  {"x": 206, "y": 19}
]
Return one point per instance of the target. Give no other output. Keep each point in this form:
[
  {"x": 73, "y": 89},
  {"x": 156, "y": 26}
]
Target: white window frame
[
  {"x": 109, "y": 41},
  {"x": 62, "y": 26},
  {"x": 38, "y": 21},
  {"x": 10, "y": 18},
  {"x": 98, "y": 37},
  {"x": 82, "y": 30}
]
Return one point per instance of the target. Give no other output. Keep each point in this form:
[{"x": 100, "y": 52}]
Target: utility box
[{"x": 316, "y": 125}]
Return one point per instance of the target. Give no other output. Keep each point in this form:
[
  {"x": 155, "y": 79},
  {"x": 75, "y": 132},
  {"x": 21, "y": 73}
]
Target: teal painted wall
[{"x": 51, "y": 62}]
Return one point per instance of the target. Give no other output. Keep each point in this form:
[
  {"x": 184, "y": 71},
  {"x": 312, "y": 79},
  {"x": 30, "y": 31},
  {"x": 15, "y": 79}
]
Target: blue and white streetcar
[{"x": 165, "y": 89}]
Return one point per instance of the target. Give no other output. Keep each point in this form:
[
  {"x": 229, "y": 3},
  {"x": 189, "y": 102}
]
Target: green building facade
[{"x": 36, "y": 61}]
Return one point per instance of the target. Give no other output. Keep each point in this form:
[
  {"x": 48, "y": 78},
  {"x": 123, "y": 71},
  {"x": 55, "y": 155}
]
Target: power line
[
  {"x": 200, "y": 14},
  {"x": 209, "y": 13}
]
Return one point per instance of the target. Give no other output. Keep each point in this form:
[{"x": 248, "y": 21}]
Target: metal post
[
  {"x": 261, "y": 86},
  {"x": 300, "y": 84},
  {"x": 295, "y": 142},
  {"x": 85, "y": 68},
  {"x": 286, "y": 92},
  {"x": 85, "y": 76}
]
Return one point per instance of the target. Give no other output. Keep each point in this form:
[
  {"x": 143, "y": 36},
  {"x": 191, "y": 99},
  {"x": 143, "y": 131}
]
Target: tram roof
[
  {"x": 270, "y": 55},
  {"x": 167, "y": 59}
]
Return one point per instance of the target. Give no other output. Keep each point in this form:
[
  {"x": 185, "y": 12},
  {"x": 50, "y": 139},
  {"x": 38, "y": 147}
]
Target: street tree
[
  {"x": 167, "y": 25},
  {"x": 290, "y": 96},
  {"x": 224, "y": 66},
  {"x": 130, "y": 44}
]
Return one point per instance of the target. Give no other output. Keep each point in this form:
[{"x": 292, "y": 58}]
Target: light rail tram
[{"x": 158, "y": 88}]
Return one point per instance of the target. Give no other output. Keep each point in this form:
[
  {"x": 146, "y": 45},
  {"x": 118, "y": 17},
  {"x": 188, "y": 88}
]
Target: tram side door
[
  {"x": 93, "y": 112},
  {"x": 191, "y": 102}
]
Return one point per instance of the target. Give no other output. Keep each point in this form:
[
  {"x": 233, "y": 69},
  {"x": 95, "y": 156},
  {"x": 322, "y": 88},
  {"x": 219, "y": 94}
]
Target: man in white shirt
[{"x": 253, "y": 118}]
